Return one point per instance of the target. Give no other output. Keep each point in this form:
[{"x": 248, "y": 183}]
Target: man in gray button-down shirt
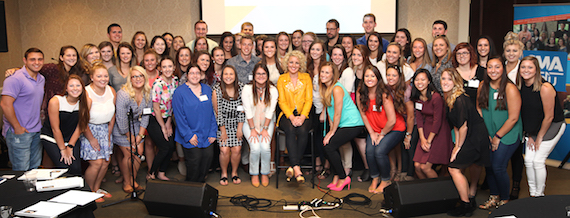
[{"x": 245, "y": 61}]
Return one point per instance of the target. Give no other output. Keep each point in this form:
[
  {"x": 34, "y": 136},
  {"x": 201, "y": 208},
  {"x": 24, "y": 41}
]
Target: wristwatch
[
  {"x": 266, "y": 127},
  {"x": 142, "y": 135},
  {"x": 70, "y": 146}
]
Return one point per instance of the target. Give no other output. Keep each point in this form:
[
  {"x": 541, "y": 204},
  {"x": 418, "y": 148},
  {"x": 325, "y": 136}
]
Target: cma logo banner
[{"x": 553, "y": 67}]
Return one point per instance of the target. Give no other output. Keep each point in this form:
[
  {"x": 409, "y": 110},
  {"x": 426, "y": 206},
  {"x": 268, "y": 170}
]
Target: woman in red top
[{"x": 385, "y": 126}]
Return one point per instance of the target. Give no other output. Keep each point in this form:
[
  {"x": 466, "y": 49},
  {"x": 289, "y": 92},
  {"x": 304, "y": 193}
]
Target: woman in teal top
[
  {"x": 499, "y": 101},
  {"x": 343, "y": 118}
]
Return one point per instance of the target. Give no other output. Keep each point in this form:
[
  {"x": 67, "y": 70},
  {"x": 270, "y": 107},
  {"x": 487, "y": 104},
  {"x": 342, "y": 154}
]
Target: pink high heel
[
  {"x": 345, "y": 183},
  {"x": 331, "y": 185}
]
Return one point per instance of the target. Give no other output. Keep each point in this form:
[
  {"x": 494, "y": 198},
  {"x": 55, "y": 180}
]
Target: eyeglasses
[
  {"x": 260, "y": 74},
  {"x": 331, "y": 29},
  {"x": 137, "y": 77},
  {"x": 463, "y": 54}
]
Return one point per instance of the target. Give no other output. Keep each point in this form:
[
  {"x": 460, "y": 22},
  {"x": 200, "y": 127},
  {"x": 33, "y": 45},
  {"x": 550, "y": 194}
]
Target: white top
[
  {"x": 249, "y": 107},
  {"x": 406, "y": 70},
  {"x": 102, "y": 106},
  {"x": 317, "y": 96},
  {"x": 347, "y": 79},
  {"x": 65, "y": 106},
  {"x": 513, "y": 74},
  {"x": 273, "y": 73}
]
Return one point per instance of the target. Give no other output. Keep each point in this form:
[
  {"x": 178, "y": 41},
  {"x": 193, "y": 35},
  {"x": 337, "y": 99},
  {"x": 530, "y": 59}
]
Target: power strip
[{"x": 304, "y": 207}]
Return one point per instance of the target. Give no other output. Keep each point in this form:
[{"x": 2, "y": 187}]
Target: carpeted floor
[{"x": 557, "y": 183}]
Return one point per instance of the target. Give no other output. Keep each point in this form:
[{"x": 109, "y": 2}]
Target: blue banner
[{"x": 553, "y": 66}]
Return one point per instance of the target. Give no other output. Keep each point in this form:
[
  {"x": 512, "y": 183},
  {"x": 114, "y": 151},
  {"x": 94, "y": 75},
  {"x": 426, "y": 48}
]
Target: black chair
[{"x": 281, "y": 133}]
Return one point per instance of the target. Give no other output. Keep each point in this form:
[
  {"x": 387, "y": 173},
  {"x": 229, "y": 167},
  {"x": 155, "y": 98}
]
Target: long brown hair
[
  {"x": 77, "y": 69},
  {"x": 235, "y": 83},
  {"x": 275, "y": 58},
  {"x": 267, "y": 95},
  {"x": 325, "y": 91},
  {"x": 483, "y": 98},
  {"x": 380, "y": 88},
  {"x": 398, "y": 90},
  {"x": 310, "y": 60},
  {"x": 83, "y": 107}
]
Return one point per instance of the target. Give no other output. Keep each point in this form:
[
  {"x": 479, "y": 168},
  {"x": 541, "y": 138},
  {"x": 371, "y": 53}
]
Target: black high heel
[
  {"x": 365, "y": 176},
  {"x": 515, "y": 191}
]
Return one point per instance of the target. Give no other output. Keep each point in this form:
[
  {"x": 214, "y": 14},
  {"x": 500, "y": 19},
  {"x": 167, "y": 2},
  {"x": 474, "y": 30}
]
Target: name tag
[
  {"x": 374, "y": 108},
  {"x": 419, "y": 106},
  {"x": 250, "y": 77},
  {"x": 495, "y": 95},
  {"x": 239, "y": 108},
  {"x": 473, "y": 83},
  {"x": 147, "y": 111},
  {"x": 203, "y": 97}
]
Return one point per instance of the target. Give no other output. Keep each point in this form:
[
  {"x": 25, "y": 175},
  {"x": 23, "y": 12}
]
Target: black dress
[{"x": 475, "y": 149}]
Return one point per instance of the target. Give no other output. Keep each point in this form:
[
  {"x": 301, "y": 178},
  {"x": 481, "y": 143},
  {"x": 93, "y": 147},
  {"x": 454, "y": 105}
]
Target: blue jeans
[
  {"x": 377, "y": 155},
  {"x": 25, "y": 150},
  {"x": 497, "y": 176}
]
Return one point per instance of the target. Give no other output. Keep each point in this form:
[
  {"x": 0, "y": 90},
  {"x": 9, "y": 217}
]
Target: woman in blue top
[
  {"x": 196, "y": 125},
  {"x": 343, "y": 119}
]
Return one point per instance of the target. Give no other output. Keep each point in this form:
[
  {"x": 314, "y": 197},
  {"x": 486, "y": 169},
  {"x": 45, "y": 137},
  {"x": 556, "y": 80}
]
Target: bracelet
[
  {"x": 265, "y": 127},
  {"x": 142, "y": 136},
  {"x": 251, "y": 127},
  {"x": 498, "y": 136}
]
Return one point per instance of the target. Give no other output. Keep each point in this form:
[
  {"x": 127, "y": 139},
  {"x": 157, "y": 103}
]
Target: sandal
[
  {"x": 236, "y": 180},
  {"x": 324, "y": 173},
  {"x": 100, "y": 200},
  {"x": 300, "y": 179},
  {"x": 289, "y": 173},
  {"x": 129, "y": 189},
  {"x": 515, "y": 191},
  {"x": 105, "y": 193},
  {"x": 224, "y": 181},
  {"x": 490, "y": 203}
]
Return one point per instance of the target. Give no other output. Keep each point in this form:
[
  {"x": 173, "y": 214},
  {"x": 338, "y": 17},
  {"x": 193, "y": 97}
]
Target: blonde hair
[
  {"x": 325, "y": 91},
  {"x": 537, "y": 84},
  {"x": 513, "y": 39},
  {"x": 299, "y": 55},
  {"x": 457, "y": 89},
  {"x": 448, "y": 54},
  {"x": 128, "y": 86}
]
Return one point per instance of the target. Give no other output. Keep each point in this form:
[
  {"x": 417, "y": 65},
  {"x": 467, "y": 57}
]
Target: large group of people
[{"x": 413, "y": 110}]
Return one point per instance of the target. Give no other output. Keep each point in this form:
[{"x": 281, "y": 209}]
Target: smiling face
[
  {"x": 392, "y": 76},
  {"x": 357, "y": 58},
  {"x": 247, "y": 29},
  {"x": 201, "y": 29},
  {"x": 316, "y": 51},
  {"x": 100, "y": 78},
  {"x": 293, "y": 64},
  {"x": 370, "y": 79},
  {"x": 184, "y": 57},
  {"x": 149, "y": 61},
  {"x": 125, "y": 55},
  {"x": 337, "y": 57},
  {"x": 368, "y": 24},
  {"x": 438, "y": 30},
  {"x": 401, "y": 38},
  {"x": 106, "y": 53},
  {"x": 137, "y": 79},
  {"x": 297, "y": 39},
  {"x": 168, "y": 39},
  {"x": 194, "y": 76},
  {"x": 495, "y": 69},
  {"x": 93, "y": 55},
  {"x": 440, "y": 48},
  {"x": 159, "y": 46},
  {"x": 421, "y": 82},
  {"x": 34, "y": 62},
  {"x": 463, "y": 56},
  {"x": 204, "y": 62},
  {"x": 219, "y": 56},
  {"x": 74, "y": 88},
  {"x": 69, "y": 57},
  {"x": 418, "y": 49},
  {"x": 307, "y": 41},
  {"x": 116, "y": 34},
  {"x": 246, "y": 46},
  {"x": 260, "y": 76},
  {"x": 446, "y": 81},
  {"x": 177, "y": 43},
  {"x": 228, "y": 43},
  {"x": 528, "y": 70},
  {"x": 373, "y": 43},
  {"x": 228, "y": 76},
  {"x": 269, "y": 49},
  {"x": 283, "y": 42},
  {"x": 393, "y": 54},
  {"x": 512, "y": 53},
  {"x": 326, "y": 75},
  {"x": 140, "y": 41},
  {"x": 201, "y": 45},
  {"x": 347, "y": 44},
  {"x": 167, "y": 68},
  {"x": 483, "y": 47}
]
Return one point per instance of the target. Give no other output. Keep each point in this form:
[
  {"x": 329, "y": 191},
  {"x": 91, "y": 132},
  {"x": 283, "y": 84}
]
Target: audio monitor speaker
[{"x": 180, "y": 199}]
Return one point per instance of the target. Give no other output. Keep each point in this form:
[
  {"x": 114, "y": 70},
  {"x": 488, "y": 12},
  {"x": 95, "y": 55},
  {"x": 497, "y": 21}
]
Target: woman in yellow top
[{"x": 295, "y": 100}]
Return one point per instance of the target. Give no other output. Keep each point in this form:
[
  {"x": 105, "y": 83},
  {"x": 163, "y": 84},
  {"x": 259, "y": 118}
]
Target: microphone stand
[{"x": 135, "y": 194}]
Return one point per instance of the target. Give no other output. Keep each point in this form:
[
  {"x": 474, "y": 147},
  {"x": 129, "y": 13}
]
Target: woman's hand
[
  {"x": 223, "y": 137},
  {"x": 194, "y": 140},
  {"x": 169, "y": 130},
  {"x": 67, "y": 156},
  {"x": 426, "y": 146},
  {"x": 407, "y": 140},
  {"x": 239, "y": 134},
  {"x": 210, "y": 139},
  {"x": 454, "y": 153},
  {"x": 495, "y": 143},
  {"x": 254, "y": 137},
  {"x": 95, "y": 144},
  {"x": 322, "y": 117},
  {"x": 164, "y": 132},
  {"x": 265, "y": 135},
  {"x": 327, "y": 138}
]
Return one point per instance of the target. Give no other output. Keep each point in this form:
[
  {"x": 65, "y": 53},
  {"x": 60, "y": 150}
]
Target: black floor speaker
[
  {"x": 180, "y": 199},
  {"x": 421, "y": 197}
]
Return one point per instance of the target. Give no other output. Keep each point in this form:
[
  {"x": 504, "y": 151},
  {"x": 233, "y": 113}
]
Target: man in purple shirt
[{"x": 22, "y": 96}]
